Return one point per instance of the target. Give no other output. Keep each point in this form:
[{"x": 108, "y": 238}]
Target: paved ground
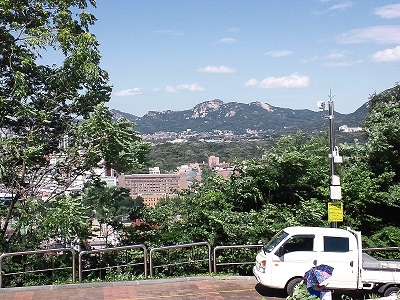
[{"x": 200, "y": 288}]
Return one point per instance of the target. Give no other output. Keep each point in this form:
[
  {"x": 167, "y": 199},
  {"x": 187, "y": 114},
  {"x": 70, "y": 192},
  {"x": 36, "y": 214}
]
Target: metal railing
[
  {"x": 168, "y": 248},
  {"x": 196, "y": 255},
  {"x": 218, "y": 248},
  {"x": 34, "y": 252},
  {"x": 382, "y": 249},
  {"x": 116, "y": 249},
  {"x": 384, "y": 253}
]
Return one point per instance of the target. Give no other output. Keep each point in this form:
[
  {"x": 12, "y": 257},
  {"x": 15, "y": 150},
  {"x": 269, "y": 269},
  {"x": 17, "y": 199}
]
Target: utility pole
[
  {"x": 335, "y": 208},
  {"x": 330, "y": 117}
]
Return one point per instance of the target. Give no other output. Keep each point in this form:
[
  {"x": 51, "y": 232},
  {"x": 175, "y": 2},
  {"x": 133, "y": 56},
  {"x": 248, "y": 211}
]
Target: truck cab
[{"x": 291, "y": 252}]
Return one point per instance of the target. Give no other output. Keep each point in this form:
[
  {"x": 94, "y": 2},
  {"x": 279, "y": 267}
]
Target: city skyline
[{"x": 172, "y": 55}]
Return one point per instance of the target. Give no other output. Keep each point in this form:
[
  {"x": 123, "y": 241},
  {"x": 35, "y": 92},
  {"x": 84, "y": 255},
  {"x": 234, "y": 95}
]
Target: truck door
[
  {"x": 341, "y": 254},
  {"x": 296, "y": 256}
]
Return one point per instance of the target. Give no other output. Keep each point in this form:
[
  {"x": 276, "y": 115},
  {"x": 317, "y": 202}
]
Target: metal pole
[
  {"x": 331, "y": 137},
  {"x": 331, "y": 144}
]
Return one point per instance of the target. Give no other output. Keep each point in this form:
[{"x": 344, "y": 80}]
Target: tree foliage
[
  {"x": 383, "y": 132},
  {"x": 54, "y": 124}
]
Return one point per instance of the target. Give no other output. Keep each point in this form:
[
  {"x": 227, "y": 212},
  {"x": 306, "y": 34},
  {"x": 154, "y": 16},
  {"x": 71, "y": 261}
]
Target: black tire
[
  {"x": 391, "y": 291},
  {"x": 293, "y": 285}
]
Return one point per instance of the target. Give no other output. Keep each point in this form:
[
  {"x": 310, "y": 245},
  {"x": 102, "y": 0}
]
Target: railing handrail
[
  {"x": 212, "y": 259},
  {"x": 41, "y": 251},
  {"x": 166, "y": 248},
  {"x": 122, "y": 248},
  {"x": 382, "y": 249},
  {"x": 231, "y": 247}
]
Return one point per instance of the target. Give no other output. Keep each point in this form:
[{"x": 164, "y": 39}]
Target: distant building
[
  {"x": 191, "y": 171},
  {"x": 213, "y": 161},
  {"x": 223, "y": 173},
  {"x": 345, "y": 128},
  {"x": 152, "y": 187},
  {"x": 154, "y": 170},
  {"x": 152, "y": 199}
]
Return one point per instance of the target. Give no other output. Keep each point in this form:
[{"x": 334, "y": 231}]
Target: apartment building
[{"x": 152, "y": 187}]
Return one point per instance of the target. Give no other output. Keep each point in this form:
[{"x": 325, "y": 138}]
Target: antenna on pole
[
  {"x": 334, "y": 157},
  {"x": 330, "y": 117}
]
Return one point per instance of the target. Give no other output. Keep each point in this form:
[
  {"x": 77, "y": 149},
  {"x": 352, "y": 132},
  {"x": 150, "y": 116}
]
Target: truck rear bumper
[{"x": 256, "y": 274}]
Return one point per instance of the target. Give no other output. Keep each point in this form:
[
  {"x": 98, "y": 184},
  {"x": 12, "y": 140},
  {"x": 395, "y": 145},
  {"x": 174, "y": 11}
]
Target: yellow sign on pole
[{"x": 335, "y": 212}]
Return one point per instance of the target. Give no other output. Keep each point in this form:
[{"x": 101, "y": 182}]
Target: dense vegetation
[
  {"x": 54, "y": 123},
  {"x": 168, "y": 156}
]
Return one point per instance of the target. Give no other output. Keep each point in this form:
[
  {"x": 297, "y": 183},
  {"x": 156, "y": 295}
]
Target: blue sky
[{"x": 174, "y": 54}]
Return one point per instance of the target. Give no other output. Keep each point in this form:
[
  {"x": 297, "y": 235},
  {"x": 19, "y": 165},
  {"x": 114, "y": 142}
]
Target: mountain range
[{"x": 239, "y": 118}]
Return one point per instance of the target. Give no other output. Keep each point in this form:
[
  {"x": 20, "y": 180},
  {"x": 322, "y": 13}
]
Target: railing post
[{"x": 1, "y": 271}]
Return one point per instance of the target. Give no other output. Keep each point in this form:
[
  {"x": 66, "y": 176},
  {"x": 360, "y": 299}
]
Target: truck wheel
[
  {"x": 293, "y": 285},
  {"x": 391, "y": 291}
]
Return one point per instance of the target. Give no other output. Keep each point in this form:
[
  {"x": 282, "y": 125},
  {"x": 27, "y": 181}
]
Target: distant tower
[{"x": 213, "y": 161}]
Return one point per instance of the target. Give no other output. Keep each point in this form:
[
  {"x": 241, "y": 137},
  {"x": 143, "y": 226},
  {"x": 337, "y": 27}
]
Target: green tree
[
  {"x": 54, "y": 124},
  {"x": 382, "y": 128},
  {"x": 293, "y": 170},
  {"x": 62, "y": 218},
  {"x": 110, "y": 206}
]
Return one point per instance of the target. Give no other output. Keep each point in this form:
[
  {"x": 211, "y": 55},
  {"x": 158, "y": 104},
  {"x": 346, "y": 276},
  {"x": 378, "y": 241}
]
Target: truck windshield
[{"x": 279, "y": 237}]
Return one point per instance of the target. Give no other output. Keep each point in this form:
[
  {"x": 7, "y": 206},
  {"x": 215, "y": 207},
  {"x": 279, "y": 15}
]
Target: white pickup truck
[{"x": 282, "y": 262}]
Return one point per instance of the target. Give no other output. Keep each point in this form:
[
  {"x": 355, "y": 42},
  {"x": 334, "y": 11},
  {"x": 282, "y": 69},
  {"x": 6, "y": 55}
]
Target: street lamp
[{"x": 335, "y": 158}]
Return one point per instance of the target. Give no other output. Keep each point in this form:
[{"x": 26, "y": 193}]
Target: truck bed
[
  {"x": 377, "y": 271},
  {"x": 370, "y": 263}
]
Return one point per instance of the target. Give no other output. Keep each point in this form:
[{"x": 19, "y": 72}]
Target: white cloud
[
  {"x": 387, "y": 55},
  {"x": 342, "y": 5},
  {"x": 376, "y": 34},
  {"x": 227, "y": 41},
  {"x": 169, "y": 32},
  {"x": 193, "y": 87},
  {"x": 279, "y": 53},
  {"x": 391, "y": 11},
  {"x": 292, "y": 81},
  {"x": 331, "y": 56},
  {"x": 336, "y": 55},
  {"x": 335, "y": 64},
  {"x": 251, "y": 82},
  {"x": 310, "y": 59},
  {"x": 170, "y": 89},
  {"x": 234, "y": 29},
  {"x": 129, "y": 92},
  {"x": 216, "y": 69}
]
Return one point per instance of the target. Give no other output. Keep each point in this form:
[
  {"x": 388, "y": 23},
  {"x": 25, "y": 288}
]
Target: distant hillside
[{"x": 240, "y": 118}]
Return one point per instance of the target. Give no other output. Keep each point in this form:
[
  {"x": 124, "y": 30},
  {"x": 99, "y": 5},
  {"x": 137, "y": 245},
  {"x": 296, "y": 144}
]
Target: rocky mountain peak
[
  {"x": 264, "y": 106},
  {"x": 201, "y": 110}
]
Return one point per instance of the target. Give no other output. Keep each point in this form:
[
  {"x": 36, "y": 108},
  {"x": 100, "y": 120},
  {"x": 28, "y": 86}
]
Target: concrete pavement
[
  {"x": 189, "y": 288},
  {"x": 207, "y": 288}
]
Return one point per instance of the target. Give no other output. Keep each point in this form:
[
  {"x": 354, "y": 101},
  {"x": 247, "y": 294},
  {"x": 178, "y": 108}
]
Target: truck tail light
[{"x": 262, "y": 266}]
